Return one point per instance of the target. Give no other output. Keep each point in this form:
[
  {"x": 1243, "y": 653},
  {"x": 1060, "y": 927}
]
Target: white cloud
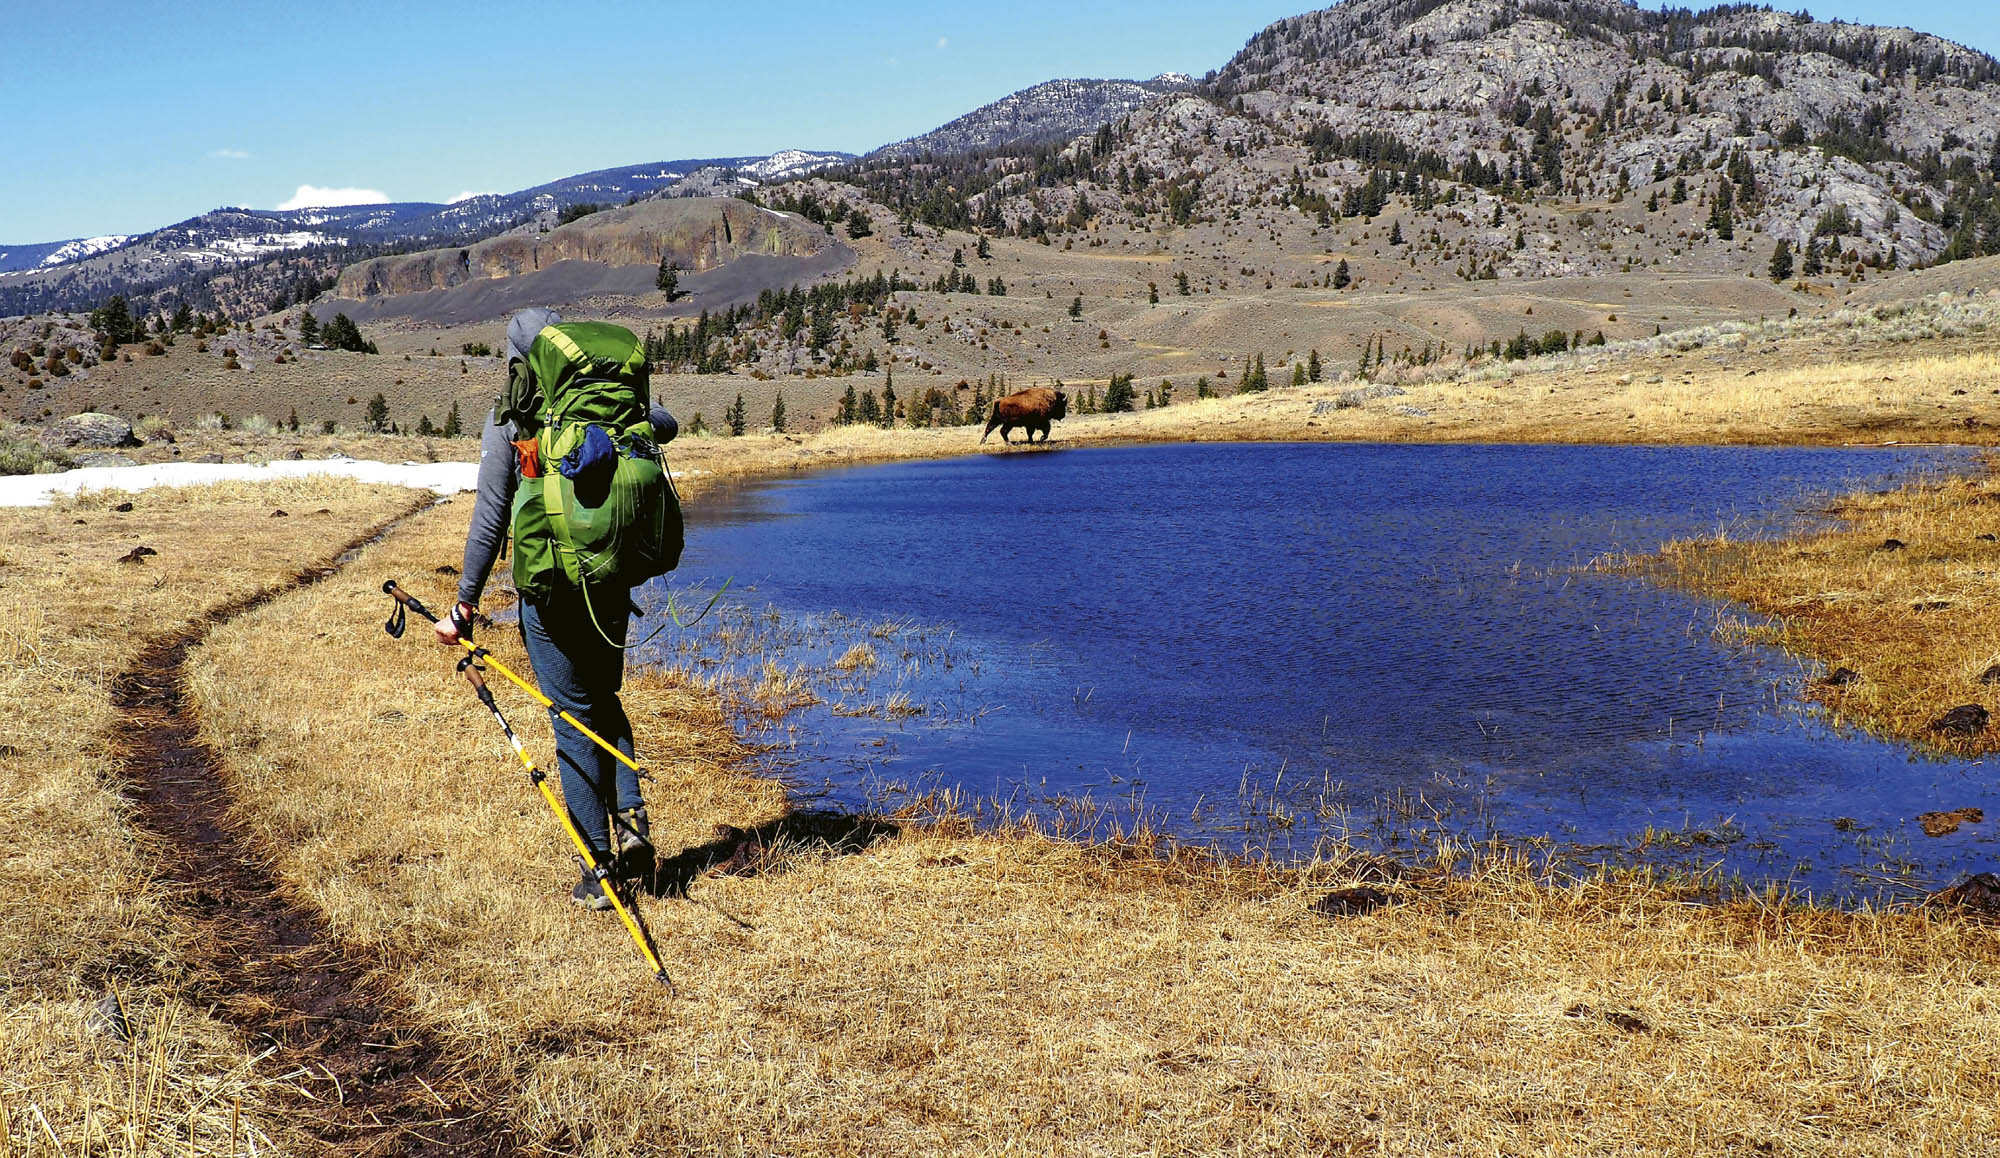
[
  {"x": 468, "y": 195},
  {"x": 228, "y": 155},
  {"x": 944, "y": 42},
  {"x": 314, "y": 197}
]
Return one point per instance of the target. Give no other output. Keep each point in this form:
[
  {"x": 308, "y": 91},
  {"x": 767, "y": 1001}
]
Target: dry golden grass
[
  {"x": 80, "y": 912},
  {"x": 1919, "y": 624},
  {"x": 1794, "y": 392},
  {"x": 946, "y": 991}
]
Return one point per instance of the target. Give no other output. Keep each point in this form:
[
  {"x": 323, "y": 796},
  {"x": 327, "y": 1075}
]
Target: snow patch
[
  {"x": 315, "y": 197},
  {"x": 85, "y": 247},
  {"x": 230, "y": 248},
  {"x": 38, "y": 490},
  {"x": 790, "y": 161}
]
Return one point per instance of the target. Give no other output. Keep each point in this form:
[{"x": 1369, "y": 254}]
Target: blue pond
[{"x": 1263, "y": 645}]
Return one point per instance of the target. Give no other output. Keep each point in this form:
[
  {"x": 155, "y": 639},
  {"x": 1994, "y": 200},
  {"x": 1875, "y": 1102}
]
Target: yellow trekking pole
[
  {"x": 395, "y": 628},
  {"x": 471, "y": 666},
  {"x": 585, "y": 857}
]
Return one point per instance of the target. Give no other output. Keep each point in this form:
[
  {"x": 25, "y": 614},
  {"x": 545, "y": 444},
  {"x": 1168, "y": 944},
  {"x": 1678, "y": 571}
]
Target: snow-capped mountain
[{"x": 80, "y": 274}]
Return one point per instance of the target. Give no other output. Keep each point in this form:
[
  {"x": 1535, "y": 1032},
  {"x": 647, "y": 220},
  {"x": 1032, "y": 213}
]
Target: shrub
[
  {"x": 476, "y": 350},
  {"x": 22, "y": 454},
  {"x": 257, "y": 424}
]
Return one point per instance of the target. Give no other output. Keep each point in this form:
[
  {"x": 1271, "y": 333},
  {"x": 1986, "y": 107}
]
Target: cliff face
[{"x": 697, "y": 234}]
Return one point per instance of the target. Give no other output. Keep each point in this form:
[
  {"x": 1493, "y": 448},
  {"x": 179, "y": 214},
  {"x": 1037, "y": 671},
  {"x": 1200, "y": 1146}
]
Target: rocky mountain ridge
[
  {"x": 185, "y": 257},
  {"x": 1881, "y": 145},
  {"x": 1054, "y": 110}
]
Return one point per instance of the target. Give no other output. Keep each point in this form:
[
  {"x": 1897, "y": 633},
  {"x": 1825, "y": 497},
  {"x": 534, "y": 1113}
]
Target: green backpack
[{"x": 595, "y": 509}]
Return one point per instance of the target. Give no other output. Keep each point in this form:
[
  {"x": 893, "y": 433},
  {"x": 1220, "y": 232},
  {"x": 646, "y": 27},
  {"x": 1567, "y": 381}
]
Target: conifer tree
[
  {"x": 778, "y": 413},
  {"x": 1118, "y": 395},
  {"x": 1313, "y": 368},
  {"x": 736, "y": 418},
  {"x": 1781, "y": 260},
  {"x": 378, "y": 412},
  {"x": 1721, "y": 217},
  {"x": 452, "y": 427}
]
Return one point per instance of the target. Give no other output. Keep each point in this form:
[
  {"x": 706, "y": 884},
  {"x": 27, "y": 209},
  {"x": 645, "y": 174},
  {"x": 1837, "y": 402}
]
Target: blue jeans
[{"x": 582, "y": 673}]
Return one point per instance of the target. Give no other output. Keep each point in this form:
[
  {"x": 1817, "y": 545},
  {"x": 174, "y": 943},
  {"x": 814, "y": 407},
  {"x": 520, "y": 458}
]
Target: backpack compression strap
[{"x": 569, "y": 349}]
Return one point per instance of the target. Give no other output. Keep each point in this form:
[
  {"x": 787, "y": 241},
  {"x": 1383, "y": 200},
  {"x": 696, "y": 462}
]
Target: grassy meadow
[
  {"x": 909, "y": 984},
  {"x": 84, "y": 918}
]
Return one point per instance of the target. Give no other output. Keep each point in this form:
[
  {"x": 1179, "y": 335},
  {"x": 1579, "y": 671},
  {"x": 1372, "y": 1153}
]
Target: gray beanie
[{"x": 522, "y": 329}]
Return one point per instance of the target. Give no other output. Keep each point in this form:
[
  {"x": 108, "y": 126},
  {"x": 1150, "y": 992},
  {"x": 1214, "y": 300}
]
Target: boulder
[
  {"x": 1979, "y": 893},
  {"x": 105, "y": 458},
  {"x": 1963, "y": 720},
  {"x": 92, "y": 430},
  {"x": 1352, "y": 902}
]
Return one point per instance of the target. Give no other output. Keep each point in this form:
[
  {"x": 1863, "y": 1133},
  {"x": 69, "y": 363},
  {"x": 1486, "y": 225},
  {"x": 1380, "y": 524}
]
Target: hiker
[{"x": 573, "y": 624}]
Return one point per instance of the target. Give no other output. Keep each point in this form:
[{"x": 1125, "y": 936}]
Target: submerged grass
[
  {"x": 1896, "y": 603},
  {"x": 941, "y": 989}
]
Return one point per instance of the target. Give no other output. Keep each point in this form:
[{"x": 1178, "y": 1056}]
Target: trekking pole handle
[{"x": 396, "y": 592}]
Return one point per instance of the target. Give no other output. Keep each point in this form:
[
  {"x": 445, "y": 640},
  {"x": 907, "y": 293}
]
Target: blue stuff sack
[
  {"x": 594, "y": 454},
  {"x": 590, "y": 467}
]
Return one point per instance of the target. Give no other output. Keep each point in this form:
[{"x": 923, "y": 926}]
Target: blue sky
[{"x": 141, "y": 114}]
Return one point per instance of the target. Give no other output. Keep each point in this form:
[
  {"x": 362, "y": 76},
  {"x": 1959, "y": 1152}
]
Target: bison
[{"x": 1033, "y": 409}]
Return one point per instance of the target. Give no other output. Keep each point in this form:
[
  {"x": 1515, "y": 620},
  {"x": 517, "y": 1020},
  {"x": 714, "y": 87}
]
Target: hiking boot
[
  {"x": 632, "y": 836},
  {"x": 589, "y": 894}
]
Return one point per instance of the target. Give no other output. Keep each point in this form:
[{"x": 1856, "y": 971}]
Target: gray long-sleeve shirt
[{"x": 493, "y": 503}]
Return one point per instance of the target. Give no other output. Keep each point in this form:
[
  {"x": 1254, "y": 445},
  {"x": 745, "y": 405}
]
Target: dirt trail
[{"x": 271, "y": 967}]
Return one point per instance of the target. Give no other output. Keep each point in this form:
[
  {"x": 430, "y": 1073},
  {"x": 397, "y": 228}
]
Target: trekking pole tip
[{"x": 388, "y": 586}]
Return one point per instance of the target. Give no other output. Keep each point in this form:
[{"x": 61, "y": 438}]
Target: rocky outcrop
[
  {"x": 89, "y": 431},
  {"x": 1054, "y": 110},
  {"x": 697, "y": 234}
]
